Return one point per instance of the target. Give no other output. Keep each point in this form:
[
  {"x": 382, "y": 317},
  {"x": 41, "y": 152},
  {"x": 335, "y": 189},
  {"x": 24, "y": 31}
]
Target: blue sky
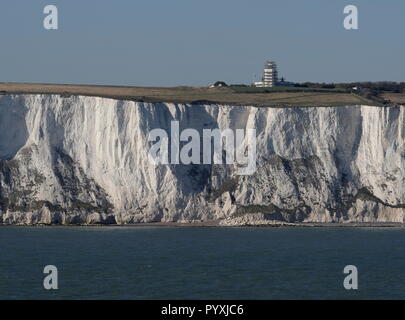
[{"x": 190, "y": 42}]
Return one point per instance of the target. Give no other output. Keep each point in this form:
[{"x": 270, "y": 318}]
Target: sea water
[{"x": 201, "y": 262}]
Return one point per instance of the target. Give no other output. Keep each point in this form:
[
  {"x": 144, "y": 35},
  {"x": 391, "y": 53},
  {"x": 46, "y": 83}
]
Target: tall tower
[{"x": 270, "y": 74}]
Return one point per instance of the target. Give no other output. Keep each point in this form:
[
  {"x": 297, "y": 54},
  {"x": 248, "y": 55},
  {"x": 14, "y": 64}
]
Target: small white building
[{"x": 258, "y": 84}]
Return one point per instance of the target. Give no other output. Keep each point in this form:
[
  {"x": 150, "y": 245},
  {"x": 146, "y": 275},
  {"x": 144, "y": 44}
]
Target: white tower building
[{"x": 270, "y": 74}]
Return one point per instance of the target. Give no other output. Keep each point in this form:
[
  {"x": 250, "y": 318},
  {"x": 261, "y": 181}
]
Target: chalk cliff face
[{"x": 85, "y": 160}]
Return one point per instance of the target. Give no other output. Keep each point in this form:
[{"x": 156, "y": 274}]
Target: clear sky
[{"x": 196, "y": 42}]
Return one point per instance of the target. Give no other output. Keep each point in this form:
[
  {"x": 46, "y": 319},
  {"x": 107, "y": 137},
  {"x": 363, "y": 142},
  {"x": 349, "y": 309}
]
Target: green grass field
[{"x": 233, "y": 95}]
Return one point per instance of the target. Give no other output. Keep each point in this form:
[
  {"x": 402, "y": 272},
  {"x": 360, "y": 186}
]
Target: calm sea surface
[{"x": 201, "y": 263}]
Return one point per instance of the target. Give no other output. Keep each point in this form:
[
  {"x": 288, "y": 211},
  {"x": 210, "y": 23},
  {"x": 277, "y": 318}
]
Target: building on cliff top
[{"x": 270, "y": 75}]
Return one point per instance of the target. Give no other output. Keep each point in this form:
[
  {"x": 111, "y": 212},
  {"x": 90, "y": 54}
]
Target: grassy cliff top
[{"x": 232, "y": 95}]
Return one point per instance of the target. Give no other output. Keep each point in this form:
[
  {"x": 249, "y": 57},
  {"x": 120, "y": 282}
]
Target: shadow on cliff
[
  {"x": 13, "y": 128},
  {"x": 193, "y": 178}
]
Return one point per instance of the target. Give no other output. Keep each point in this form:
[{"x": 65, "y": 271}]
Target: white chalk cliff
[{"x": 85, "y": 160}]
